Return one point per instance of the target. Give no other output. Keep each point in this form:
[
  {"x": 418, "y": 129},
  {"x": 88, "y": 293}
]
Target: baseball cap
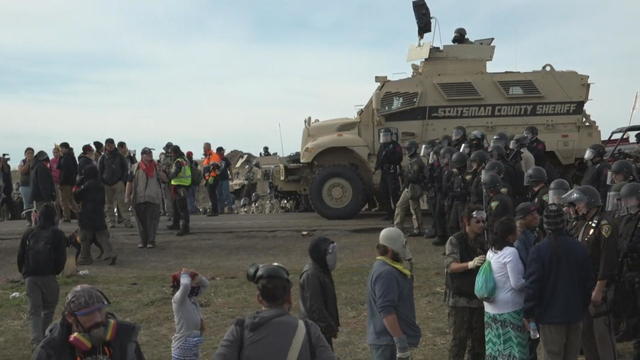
[
  {"x": 525, "y": 209},
  {"x": 146, "y": 150},
  {"x": 394, "y": 239},
  {"x": 85, "y": 299}
]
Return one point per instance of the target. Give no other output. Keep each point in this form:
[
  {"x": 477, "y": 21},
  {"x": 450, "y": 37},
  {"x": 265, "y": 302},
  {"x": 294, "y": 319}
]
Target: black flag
[{"x": 423, "y": 17}]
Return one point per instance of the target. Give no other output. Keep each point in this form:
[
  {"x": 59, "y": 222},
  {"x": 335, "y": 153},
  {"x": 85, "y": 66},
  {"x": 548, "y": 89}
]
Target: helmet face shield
[
  {"x": 425, "y": 151},
  {"x": 614, "y": 203},
  {"x": 457, "y": 134},
  {"x": 589, "y": 155},
  {"x": 573, "y": 197},
  {"x": 385, "y": 137},
  {"x": 433, "y": 158},
  {"x": 465, "y": 148},
  {"x": 555, "y": 196}
]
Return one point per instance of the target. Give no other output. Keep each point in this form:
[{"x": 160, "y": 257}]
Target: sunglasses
[{"x": 90, "y": 310}]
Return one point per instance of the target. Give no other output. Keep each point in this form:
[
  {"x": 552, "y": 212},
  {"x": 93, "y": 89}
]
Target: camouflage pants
[
  {"x": 466, "y": 325},
  {"x": 409, "y": 203}
]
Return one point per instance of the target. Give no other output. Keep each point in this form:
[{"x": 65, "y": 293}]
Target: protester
[
  {"x": 505, "y": 333},
  {"x": 464, "y": 254},
  {"x": 318, "y": 299},
  {"x": 196, "y": 179},
  {"x": 24, "y": 169},
  {"x": 92, "y": 218},
  {"x": 87, "y": 158},
  {"x": 41, "y": 256},
  {"x": 87, "y": 331},
  {"x": 43, "y": 191},
  {"x": 145, "y": 194},
  {"x": 273, "y": 333},
  {"x": 166, "y": 162},
  {"x": 225, "y": 200},
  {"x": 527, "y": 221},
  {"x": 559, "y": 280},
  {"x": 55, "y": 173},
  {"x": 180, "y": 180},
  {"x": 392, "y": 330},
  {"x": 114, "y": 170},
  {"x": 187, "y": 286},
  {"x": 210, "y": 166},
  {"x": 6, "y": 187},
  {"x": 68, "y": 167},
  {"x": 99, "y": 147}
]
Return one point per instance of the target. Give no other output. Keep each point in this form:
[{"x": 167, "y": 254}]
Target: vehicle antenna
[
  {"x": 281, "y": 143},
  {"x": 633, "y": 108}
]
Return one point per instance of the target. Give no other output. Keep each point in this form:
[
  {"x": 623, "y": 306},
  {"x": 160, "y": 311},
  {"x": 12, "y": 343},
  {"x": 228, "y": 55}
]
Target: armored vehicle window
[
  {"x": 519, "y": 88},
  {"x": 459, "y": 90},
  {"x": 393, "y": 101}
]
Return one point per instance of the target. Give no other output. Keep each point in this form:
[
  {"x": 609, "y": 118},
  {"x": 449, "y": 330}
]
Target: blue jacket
[
  {"x": 389, "y": 292},
  {"x": 524, "y": 244},
  {"x": 559, "y": 280}
]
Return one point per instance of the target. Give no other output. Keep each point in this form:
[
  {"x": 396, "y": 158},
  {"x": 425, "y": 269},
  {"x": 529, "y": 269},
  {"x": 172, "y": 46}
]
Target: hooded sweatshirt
[
  {"x": 267, "y": 334},
  {"x": 318, "y": 301},
  {"x": 42, "y": 187}
]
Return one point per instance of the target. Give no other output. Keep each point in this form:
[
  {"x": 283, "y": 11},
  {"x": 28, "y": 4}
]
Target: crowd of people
[{"x": 562, "y": 255}]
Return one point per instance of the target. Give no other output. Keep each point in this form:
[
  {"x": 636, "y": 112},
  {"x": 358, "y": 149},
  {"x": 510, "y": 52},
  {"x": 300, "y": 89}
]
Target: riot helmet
[
  {"x": 386, "y": 136},
  {"x": 479, "y": 158},
  {"x": 434, "y": 156},
  {"x": 594, "y": 151},
  {"x": 614, "y": 201},
  {"x": 412, "y": 147},
  {"x": 459, "y": 36},
  {"x": 630, "y": 195},
  {"x": 446, "y": 153},
  {"x": 500, "y": 139},
  {"x": 557, "y": 189},
  {"x": 535, "y": 174},
  {"x": 445, "y": 140},
  {"x": 459, "y": 160},
  {"x": 531, "y": 132},
  {"x": 476, "y": 139},
  {"x": 491, "y": 181},
  {"x": 497, "y": 151},
  {"x": 583, "y": 194},
  {"x": 459, "y": 132},
  {"x": 518, "y": 142},
  {"x": 496, "y": 167},
  {"x": 624, "y": 168}
]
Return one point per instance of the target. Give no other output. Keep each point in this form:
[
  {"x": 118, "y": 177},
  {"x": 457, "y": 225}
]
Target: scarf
[
  {"x": 396, "y": 265},
  {"x": 148, "y": 168}
]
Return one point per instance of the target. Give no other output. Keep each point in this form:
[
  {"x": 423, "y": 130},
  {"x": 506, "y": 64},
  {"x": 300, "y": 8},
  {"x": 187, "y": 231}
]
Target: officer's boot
[{"x": 85, "y": 252}]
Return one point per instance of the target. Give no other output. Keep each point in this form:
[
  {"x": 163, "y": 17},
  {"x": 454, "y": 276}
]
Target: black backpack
[{"x": 39, "y": 249}]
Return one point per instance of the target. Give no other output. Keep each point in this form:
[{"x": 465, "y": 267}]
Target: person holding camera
[{"x": 272, "y": 332}]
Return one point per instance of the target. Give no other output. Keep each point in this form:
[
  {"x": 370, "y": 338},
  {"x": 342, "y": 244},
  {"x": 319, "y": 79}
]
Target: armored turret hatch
[{"x": 451, "y": 59}]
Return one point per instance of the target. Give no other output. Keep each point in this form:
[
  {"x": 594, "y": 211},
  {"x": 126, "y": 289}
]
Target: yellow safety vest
[{"x": 184, "y": 176}]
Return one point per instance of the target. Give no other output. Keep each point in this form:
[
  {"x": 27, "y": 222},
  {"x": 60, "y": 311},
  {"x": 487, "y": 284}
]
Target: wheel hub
[{"x": 337, "y": 192}]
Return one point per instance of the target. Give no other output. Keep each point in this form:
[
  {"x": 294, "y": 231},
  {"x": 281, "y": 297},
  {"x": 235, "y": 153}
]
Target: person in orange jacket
[{"x": 210, "y": 167}]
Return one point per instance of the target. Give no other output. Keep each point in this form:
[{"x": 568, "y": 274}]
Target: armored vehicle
[{"x": 449, "y": 87}]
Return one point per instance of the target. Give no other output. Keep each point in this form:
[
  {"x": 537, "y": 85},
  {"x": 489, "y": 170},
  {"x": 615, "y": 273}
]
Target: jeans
[
  {"x": 383, "y": 352},
  {"x": 191, "y": 199},
  {"x": 25, "y": 192},
  {"x": 42, "y": 293},
  {"x": 224, "y": 196}
]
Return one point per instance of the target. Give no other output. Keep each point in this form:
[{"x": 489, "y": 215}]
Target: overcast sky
[{"x": 229, "y": 72}]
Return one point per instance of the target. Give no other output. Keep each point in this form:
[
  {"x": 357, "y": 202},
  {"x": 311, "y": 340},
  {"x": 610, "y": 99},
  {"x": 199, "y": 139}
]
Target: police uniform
[
  {"x": 458, "y": 195},
  {"x": 537, "y": 148},
  {"x": 443, "y": 185},
  {"x": 596, "y": 176},
  {"x": 410, "y": 197},
  {"x": 180, "y": 182},
  {"x": 599, "y": 235},
  {"x": 626, "y": 304},
  {"x": 388, "y": 162},
  {"x": 474, "y": 183},
  {"x": 498, "y": 206}
]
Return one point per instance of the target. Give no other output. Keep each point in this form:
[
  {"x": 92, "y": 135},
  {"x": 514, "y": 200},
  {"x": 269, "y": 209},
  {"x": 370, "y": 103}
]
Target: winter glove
[
  {"x": 477, "y": 262},
  {"x": 402, "y": 347}
]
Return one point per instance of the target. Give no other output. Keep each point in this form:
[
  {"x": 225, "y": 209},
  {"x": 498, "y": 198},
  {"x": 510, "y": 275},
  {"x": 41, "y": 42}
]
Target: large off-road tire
[{"x": 337, "y": 192}]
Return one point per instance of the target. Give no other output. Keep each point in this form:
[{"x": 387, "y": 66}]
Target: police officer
[
  {"x": 498, "y": 168},
  {"x": 414, "y": 179},
  {"x": 477, "y": 162},
  {"x": 557, "y": 189},
  {"x": 476, "y": 141},
  {"x": 458, "y": 137},
  {"x": 594, "y": 229},
  {"x": 513, "y": 177},
  {"x": 597, "y": 169},
  {"x": 536, "y": 147},
  {"x": 433, "y": 176},
  {"x": 443, "y": 182},
  {"x": 520, "y": 156},
  {"x": 180, "y": 180},
  {"x": 388, "y": 162},
  {"x": 627, "y": 294},
  {"x": 500, "y": 139},
  {"x": 536, "y": 180},
  {"x": 460, "y": 37},
  {"x": 498, "y": 204},
  {"x": 457, "y": 191},
  {"x": 621, "y": 173}
]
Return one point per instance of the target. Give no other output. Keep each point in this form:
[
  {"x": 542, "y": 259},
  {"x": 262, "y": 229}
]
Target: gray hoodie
[{"x": 268, "y": 335}]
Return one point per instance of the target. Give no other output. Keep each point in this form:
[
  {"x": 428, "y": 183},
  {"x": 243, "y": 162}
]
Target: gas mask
[
  {"x": 332, "y": 256},
  {"x": 95, "y": 336}
]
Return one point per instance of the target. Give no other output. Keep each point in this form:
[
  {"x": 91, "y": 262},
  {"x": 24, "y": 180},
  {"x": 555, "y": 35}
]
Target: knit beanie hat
[{"x": 554, "y": 219}]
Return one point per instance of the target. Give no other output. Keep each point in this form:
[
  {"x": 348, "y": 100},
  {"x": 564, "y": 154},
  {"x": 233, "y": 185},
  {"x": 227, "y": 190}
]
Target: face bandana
[{"x": 332, "y": 256}]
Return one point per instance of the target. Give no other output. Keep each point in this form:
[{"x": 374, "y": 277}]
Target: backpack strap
[
  {"x": 312, "y": 349},
  {"x": 298, "y": 339},
  {"x": 239, "y": 324}
]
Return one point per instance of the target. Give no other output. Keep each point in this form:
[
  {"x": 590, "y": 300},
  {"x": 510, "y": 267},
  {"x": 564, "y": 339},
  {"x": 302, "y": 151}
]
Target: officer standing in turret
[
  {"x": 460, "y": 37},
  {"x": 414, "y": 178},
  {"x": 388, "y": 162}
]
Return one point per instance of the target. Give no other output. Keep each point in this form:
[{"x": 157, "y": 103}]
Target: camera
[{"x": 256, "y": 272}]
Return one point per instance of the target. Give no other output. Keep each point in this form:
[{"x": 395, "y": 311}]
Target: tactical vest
[
  {"x": 184, "y": 176},
  {"x": 463, "y": 283}
]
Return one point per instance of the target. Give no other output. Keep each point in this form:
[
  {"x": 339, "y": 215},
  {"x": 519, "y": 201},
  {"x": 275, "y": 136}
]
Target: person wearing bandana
[
  {"x": 187, "y": 286},
  {"x": 392, "y": 330},
  {"x": 88, "y": 332},
  {"x": 318, "y": 300}
]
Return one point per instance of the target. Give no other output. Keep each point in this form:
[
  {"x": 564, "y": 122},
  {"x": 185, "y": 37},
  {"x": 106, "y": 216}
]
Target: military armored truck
[{"x": 449, "y": 87}]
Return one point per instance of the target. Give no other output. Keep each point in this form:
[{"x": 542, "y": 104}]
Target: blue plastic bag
[{"x": 485, "y": 288}]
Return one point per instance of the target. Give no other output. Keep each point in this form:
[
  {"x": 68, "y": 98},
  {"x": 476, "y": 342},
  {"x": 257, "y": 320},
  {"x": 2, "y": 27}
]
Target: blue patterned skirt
[{"x": 506, "y": 337}]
